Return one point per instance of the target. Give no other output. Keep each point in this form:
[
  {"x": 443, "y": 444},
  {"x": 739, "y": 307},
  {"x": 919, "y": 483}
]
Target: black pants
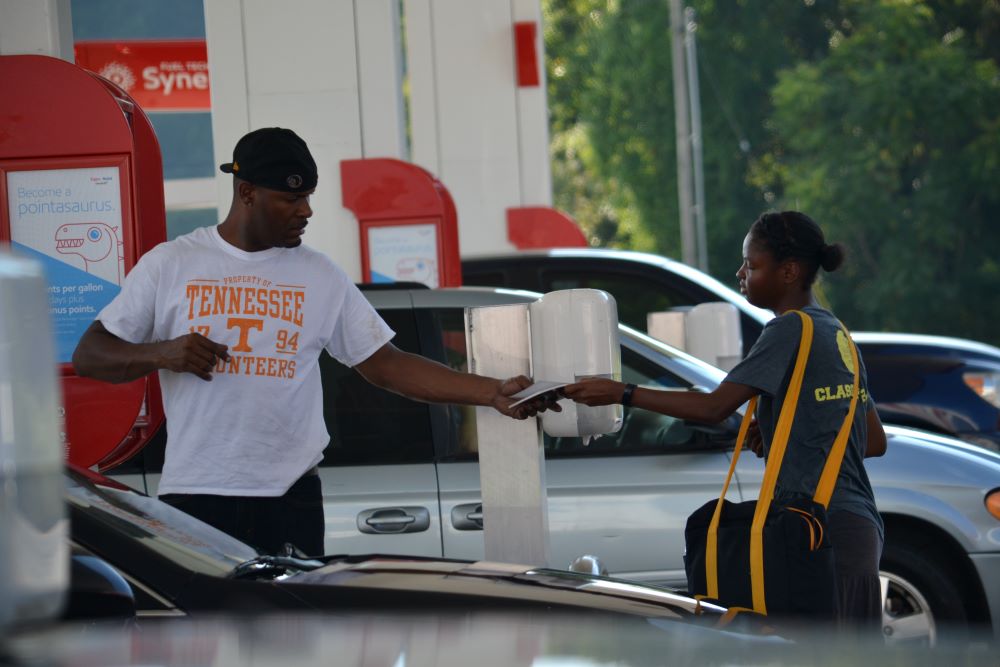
[
  {"x": 857, "y": 547},
  {"x": 265, "y": 523}
]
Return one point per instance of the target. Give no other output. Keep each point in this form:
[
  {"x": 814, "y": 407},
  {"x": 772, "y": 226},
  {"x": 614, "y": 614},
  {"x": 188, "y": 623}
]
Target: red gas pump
[
  {"x": 409, "y": 226},
  {"x": 81, "y": 190}
]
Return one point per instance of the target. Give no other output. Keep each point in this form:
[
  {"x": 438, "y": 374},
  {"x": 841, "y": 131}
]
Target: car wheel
[{"x": 918, "y": 598}]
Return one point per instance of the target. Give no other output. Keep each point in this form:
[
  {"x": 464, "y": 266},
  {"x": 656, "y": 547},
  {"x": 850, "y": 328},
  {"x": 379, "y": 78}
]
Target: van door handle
[
  {"x": 394, "y": 520},
  {"x": 467, "y": 517}
]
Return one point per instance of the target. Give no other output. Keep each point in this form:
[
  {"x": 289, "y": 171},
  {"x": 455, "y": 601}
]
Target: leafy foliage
[
  {"x": 892, "y": 142},
  {"x": 879, "y": 119}
]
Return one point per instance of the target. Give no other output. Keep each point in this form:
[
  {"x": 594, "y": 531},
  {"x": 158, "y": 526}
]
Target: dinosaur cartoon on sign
[
  {"x": 97, "y": 243},
  {"x": 417, "y": 269}
]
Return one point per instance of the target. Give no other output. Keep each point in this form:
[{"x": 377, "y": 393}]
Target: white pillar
[
  {"x": 42, "y": 27},
  {"x": 422, "y": 73},
  {"x": 298, "y": 64},
  {"x": 380, "y": 74},
  {"x": 484, "y": 136},
  {"x": 511, "y": 452}
]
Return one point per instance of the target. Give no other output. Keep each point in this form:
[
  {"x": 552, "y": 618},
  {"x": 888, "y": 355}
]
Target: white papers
[{"x": 537, "y": 389}]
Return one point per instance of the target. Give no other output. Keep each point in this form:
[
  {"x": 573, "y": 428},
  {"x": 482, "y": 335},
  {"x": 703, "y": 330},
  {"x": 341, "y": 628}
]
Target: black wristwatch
[{"x": 627, "y": 395}]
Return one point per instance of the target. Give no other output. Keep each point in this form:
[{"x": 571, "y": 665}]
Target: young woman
[{"x": 782, "y": 255}]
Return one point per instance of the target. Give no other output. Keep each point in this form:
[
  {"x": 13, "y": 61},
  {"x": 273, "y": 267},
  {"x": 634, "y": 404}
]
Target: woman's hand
[{"x": 595, "y": 391}]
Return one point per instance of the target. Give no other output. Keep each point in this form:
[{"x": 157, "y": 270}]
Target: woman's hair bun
[{"x": 831, "y": 256}]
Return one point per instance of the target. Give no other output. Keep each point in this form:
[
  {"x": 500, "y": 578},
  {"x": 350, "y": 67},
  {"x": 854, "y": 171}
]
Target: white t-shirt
[{"x": 258, "y": 425}]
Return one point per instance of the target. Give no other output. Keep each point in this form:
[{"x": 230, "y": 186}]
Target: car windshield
[{"x": 171, "y": 533}]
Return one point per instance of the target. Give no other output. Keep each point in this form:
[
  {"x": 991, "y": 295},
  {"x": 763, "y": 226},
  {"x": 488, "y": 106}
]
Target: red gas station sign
[
  {"x": 161, "y": 75},
  {"x": 81, "y": 192}
]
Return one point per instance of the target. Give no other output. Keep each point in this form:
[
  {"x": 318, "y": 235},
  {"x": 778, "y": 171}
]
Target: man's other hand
[{"x": 192, "y": 353}]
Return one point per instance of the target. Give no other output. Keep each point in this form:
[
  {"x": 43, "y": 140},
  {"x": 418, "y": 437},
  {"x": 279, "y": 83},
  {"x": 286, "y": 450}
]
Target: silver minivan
[{"x": 625, "y": 497}]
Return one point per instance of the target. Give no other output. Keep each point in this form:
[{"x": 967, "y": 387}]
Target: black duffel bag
[
  {"x": 772, "y": 558},
  {"x": 799, "y": 566}
]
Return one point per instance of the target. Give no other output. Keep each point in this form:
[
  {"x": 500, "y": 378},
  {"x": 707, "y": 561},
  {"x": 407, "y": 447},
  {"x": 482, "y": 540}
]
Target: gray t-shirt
[{"x": 823, "y": 405}]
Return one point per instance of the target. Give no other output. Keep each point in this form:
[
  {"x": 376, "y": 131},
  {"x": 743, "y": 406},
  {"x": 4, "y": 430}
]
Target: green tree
[
  {"x": 627, "y": 107},
  {"x": 600, "y": 201},
  {"x": 878, "y": 118},
  {"x": 892, "y": 142},
  {"x": 602, "y": 207},
  {"x": 742, "y": 46},
  {"x": 609, "y": 72}
]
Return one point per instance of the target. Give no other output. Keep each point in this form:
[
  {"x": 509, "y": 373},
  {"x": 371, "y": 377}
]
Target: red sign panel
[
  {"x": 159, "y": 75},
  {"x": 525, "y": 38}
]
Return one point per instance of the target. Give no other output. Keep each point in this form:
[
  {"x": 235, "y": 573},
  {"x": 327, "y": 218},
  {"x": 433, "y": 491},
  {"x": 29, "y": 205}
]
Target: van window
[
  {"x": 368, "y": 425},
  {"x": 641, "y": 431},
  {"x": 449, "y": 324},
  {"x": 490, "y": 279}
]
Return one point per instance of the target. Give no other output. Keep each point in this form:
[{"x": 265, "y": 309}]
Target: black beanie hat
[{"x": 273, "y": 158}]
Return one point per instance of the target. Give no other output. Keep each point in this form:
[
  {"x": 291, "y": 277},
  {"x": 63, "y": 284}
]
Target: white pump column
[
  {"x": 328, "y": 69},
  {"x": 562, "y": 337},
  {"x": 39, "y": 27},
  {"x": 482, "y": 134},
  {"x": 511, "y": 453}
]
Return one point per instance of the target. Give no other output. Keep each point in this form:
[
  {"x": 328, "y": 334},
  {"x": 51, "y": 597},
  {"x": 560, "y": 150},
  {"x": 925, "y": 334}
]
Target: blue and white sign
[
  {"x": 70, "y": 220},
  {"x": 403, "y": 253}
]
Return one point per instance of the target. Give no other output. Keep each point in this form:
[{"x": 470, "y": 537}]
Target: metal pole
[
  {"x": 683, "y": 131},
  {"x": 694, "y": 96}
]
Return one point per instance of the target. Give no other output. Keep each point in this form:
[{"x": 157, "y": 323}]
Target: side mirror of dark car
[{"x": 97, "y": 591}]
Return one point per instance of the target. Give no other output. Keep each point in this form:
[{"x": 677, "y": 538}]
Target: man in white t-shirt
[{"x": 234, "y": 319}]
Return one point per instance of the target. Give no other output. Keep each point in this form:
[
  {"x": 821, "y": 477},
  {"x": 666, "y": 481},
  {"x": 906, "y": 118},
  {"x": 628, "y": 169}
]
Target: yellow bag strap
[
  {"x": 824, "y": 490},
  {"x": 712, "y": 546},
  {"x": 774, "y": 458}
]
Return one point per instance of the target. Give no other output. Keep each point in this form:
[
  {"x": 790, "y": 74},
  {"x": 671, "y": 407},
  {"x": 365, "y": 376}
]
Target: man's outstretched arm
[
  {"x": 422, "y": 379},
  {"x": 103, "y": 356}
]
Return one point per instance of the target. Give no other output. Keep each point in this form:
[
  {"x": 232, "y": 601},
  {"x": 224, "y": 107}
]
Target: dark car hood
[{"x": 503, "y": 580}]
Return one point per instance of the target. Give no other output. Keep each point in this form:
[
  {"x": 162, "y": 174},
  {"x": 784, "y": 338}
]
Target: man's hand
[
  {"x": 192, "y": 353},
  {"x": 595, "y": 391},
  {"x": 754, "y": 442},
  {"x": 541, "y": 403}
]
